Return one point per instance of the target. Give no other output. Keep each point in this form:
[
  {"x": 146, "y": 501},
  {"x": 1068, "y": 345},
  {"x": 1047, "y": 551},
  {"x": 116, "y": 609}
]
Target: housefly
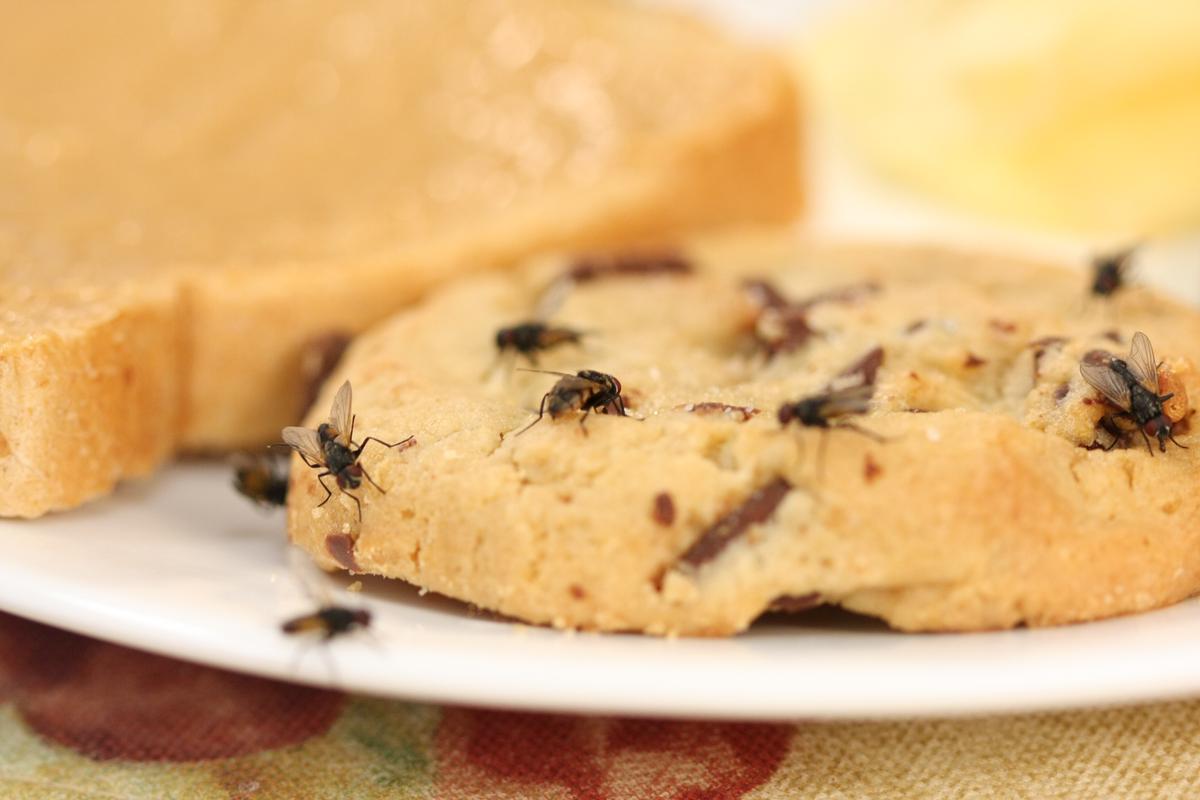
[
  {"x": 588, "y": 391},
  {"x": 536, "y": 335},
  {"x": 331, "y": 448},
  {"x": 328, "y": 622},
  {"x": 1132, "y": 386},
  {"x": 1110, "y": 272},
  {"x": 831, "y": 409},
  {"x": 262, "y": 478}
]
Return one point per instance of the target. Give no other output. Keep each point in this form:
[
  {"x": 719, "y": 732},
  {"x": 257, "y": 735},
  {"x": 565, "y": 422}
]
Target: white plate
[{"x": 184, "y": 567}]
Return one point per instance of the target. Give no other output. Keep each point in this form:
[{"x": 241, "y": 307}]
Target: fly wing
[
  {"x": 1096, "y": 370},
  {"x": 845, "y": 402},
  {"x": 339, "y": 414},
  {"x": 552, "y": 299},
  {"x": 305, "y": 442},
  {"x": 1142, "y": 363}
]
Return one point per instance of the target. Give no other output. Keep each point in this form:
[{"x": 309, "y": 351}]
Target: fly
[
  {"x": 331, "y": 448},
  {"x": 533, "y": 336},
  {"x": 588, "y": 391},
  {"x": 1132, "y": 386},
  {"x": 262, "y": 478}
]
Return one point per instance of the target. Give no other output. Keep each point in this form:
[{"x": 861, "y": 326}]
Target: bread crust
[{"x": 255, "y": 199}]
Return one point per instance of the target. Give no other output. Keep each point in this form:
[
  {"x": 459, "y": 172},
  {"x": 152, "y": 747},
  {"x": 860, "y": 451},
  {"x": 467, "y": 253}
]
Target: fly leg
[
  {"x": 541, "y": 413},
  {"x": 328, "y": 491},
  {"x": 356, "y": 502},
  {"x": 872, "y": 435},
  {"x": 1149, "y": 446},
  {"x": 371, "y": 481},
  {"x": 406, "y": 443}
]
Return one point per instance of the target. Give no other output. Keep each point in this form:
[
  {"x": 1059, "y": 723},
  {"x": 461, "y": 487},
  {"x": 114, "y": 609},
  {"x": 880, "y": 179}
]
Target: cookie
[{"x": 976, "y": 490}]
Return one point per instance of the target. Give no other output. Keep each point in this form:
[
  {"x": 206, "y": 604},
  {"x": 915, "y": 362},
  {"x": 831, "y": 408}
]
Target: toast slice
[{"x": 191, "y": 193}]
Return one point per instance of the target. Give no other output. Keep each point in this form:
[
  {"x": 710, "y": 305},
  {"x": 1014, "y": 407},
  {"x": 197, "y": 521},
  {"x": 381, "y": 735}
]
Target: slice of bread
[{"x": 190, "y": 193}]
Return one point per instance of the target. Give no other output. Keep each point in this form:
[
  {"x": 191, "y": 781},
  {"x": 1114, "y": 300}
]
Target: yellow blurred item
[
  {"x": 1082, "y": 115},
  {"x": 192, "y": 190}
]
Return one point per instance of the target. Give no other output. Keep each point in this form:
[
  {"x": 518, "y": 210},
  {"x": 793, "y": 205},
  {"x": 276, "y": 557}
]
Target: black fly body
[
  {"x": 588, "y": 391},
  {"x": 262, "y": 478},
  {"x": 328, "y": 622},
  {"x": 534, "y": 336},
  {"x": 331, "y": 448},
  {"x": 531, "y": 338},
  {"x": 831, "y": 409},
  {"x": 1131, "y": 385},
  {"x": 1110, "y": 272}
]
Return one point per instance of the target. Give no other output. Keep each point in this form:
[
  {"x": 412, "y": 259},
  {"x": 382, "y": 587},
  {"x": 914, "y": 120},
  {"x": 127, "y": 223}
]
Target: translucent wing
[
  {"x": 339, "y": 414},
  {"x": 305, "y": 442},
  {"x": 552, "y": 299},
  {"x": 1097, "y": 372},
  {"x": 844, "y": 402},
  {"x": 1142, "y": 363}
]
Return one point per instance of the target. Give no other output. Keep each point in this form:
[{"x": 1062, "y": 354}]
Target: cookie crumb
[
  {"x": 664, "y": 509},
  {"x": 871, "y": 468},
  {"x": 709, "y": 408},
  {"x": 1040, "y": 348},
  {"x": 355, "y": 587}
]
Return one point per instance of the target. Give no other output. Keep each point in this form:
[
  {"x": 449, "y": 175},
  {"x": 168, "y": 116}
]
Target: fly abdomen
[{"x": 562, "y": 402}]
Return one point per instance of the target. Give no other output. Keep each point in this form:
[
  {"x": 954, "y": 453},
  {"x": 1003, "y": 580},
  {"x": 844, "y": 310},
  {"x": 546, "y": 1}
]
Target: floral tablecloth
[{"x": 84, "y": 719}]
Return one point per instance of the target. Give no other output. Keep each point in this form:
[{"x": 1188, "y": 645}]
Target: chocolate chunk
[
  {"x": 667, "y": 262},
  {"x": 782, "y": 325},
  {"x": 764, "y": 294},
  {"x": 1061, "y": 392},
  {"x": 795, "y": 603},
  {"x": 319, "y": 357},
  {"x": 915, "y": 326},
  {"x": 740, "y": 413},
  {"x": 866, "y": 368},
  {"x": 972, "y": 361},
  {"x": 871, "y": 469},
  {"x": 664, "y": 509},
  {"x": 577, "y": 591},
  {"x": 1003, "y": 325},
  {"x": 757, "y": 508},
  {"x": 783, "y": 330},
  {"x": 341, "y": 547},
  {"x": 1113, "y": 336}
]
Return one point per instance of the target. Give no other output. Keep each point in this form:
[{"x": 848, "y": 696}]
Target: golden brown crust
[
  {"x": 983, "y": 508},
  {"x": 286, "y": 192},
  {"x": 92, "y": 399}
]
